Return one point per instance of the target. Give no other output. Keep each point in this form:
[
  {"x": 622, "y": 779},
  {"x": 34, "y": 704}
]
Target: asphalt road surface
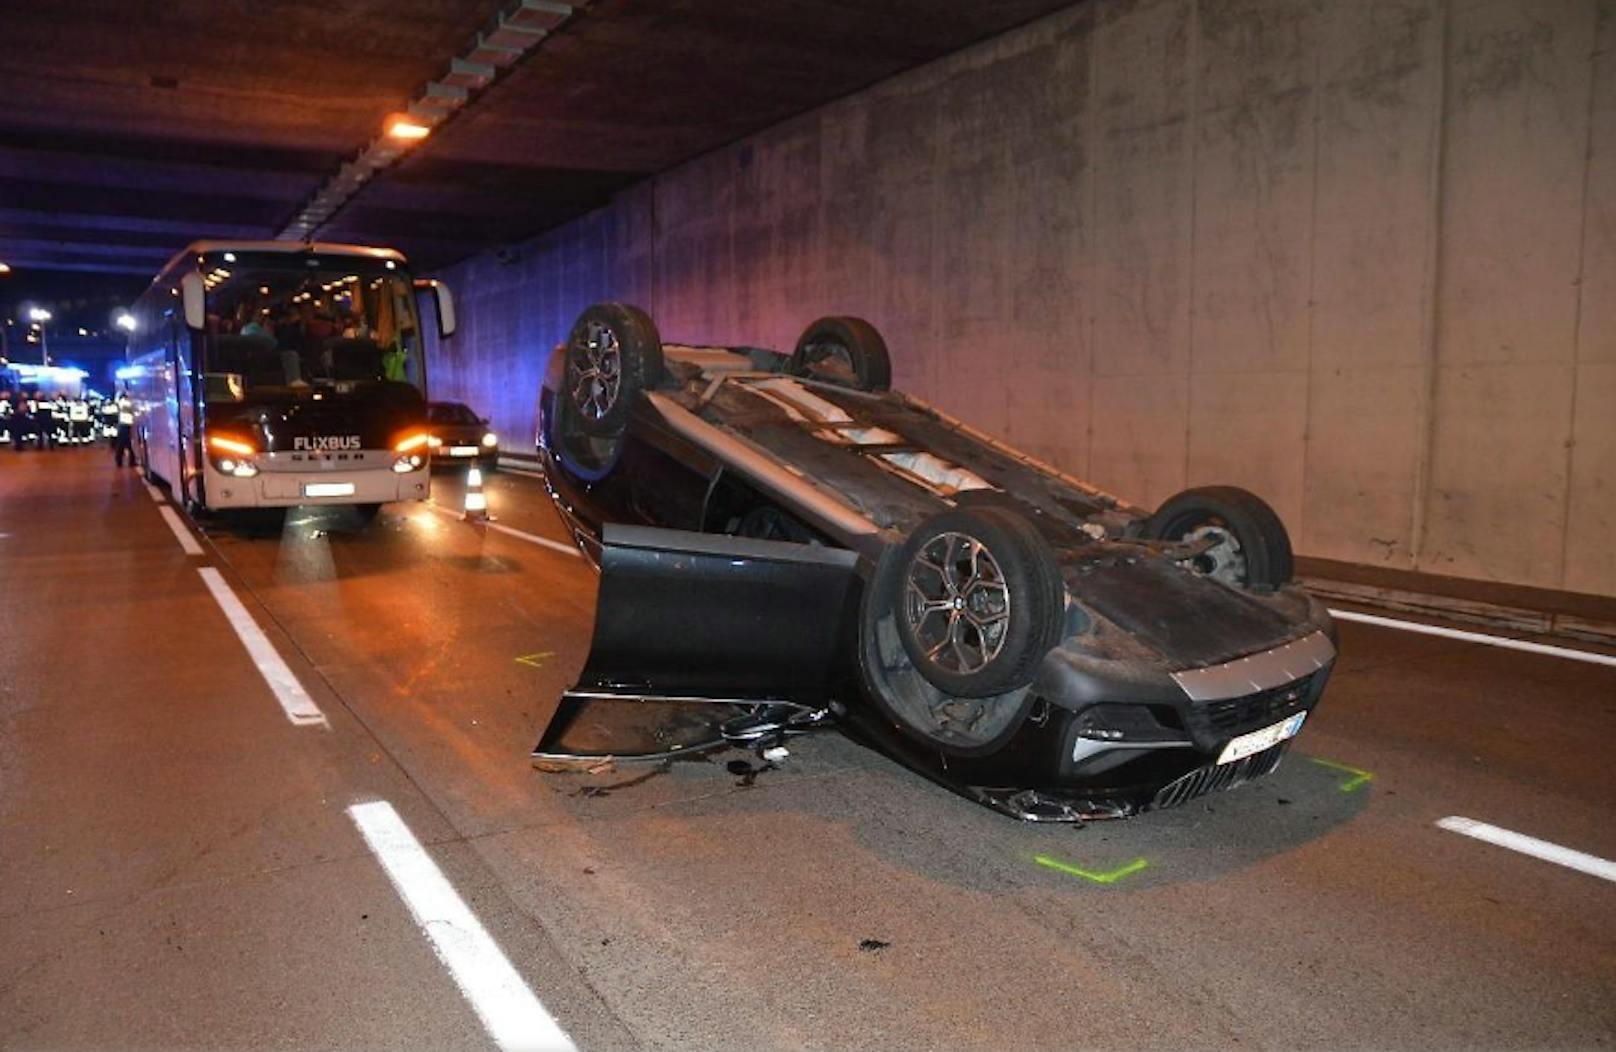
[{"x": 277, "y": 795}]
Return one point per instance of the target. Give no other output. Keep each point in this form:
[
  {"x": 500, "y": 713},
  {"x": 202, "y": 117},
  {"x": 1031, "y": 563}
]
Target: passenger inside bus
[{"x": 310, "y": 331}]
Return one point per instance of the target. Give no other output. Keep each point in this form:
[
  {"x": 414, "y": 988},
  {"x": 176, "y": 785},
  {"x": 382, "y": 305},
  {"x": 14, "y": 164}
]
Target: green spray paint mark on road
[
  {"x": 535, "y": 660},
  {"x": 1088, "y": 874},
  {"x": 1359, "y": 779}
]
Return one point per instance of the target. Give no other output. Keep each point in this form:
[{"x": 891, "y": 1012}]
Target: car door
[{"x": 692, "y": 629}]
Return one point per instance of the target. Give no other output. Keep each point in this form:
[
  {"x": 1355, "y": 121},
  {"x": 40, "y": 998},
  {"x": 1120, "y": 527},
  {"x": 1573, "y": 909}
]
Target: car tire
[
  {"x": 848, "y": 351},
  {"x": 979, "y": 601},
  {"x": 1255, "y": 551},
  {"x": 613, "y": 353}
]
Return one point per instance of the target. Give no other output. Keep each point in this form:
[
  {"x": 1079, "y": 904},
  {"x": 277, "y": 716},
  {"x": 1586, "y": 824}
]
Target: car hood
[
  {"x": 459, "y": 434},
  {"x": 1182, "y": 618}
]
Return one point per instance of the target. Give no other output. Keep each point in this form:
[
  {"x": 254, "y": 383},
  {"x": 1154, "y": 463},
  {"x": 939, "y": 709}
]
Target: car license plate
[
  {"x": 462, "y": 451},
  {"x": 328, "y": 489},
  {"x": 1255, "y": 742}
]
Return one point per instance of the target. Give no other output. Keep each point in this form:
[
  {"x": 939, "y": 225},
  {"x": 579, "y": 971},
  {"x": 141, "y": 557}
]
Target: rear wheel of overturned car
[
  {"x": 613, "y": 353},
  {"x": 1245, "y": 543},
  {"x": 847, "y": 351}
]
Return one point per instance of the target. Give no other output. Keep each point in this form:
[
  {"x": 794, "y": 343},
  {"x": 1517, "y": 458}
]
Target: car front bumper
[{"x": 1111, "y": 738}]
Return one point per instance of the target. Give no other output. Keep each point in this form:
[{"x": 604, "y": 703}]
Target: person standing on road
[
  {"x": 109, "y": 422},
  {"x": 126, "y": 425},
  {"x": 44, "y": 420}
]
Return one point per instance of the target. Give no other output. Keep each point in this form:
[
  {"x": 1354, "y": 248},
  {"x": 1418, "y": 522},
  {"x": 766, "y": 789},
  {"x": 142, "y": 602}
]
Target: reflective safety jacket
[{"x": 126, "y": 412}]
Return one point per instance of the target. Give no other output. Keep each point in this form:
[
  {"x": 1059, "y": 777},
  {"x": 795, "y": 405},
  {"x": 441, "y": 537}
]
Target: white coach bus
[{"x": 275, "y": 373}]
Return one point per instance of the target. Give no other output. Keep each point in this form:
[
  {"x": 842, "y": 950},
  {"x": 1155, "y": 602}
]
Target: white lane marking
[
  {"x": 521, "y": 471},
  {"x": 1580, "y": 861},
  {"x": 181, "y": 534},
  {"x": 511, "y": 1013},
  {"x": 156, "y": 494},
  {"x": 300, "y": 708},
  {"x": 531, "y": 538},
  {"x": 1476, "y": 637}
]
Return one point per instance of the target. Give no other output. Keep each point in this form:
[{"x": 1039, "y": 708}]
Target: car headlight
[{"x": 490, "y": 440}]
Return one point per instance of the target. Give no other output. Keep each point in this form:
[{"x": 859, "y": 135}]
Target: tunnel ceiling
[{"x": 130, "y": 129}]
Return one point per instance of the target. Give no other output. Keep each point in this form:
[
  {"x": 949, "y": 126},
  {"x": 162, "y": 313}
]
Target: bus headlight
[
  {"x": 490, "y": 440},
  {"x": 241, "y": 469},
  {"x": 233, "y": 456},
  {"x": 409, "y": 462}
]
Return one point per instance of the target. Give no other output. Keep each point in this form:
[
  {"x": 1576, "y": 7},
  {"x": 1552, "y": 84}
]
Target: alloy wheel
[{"x": 957, "y": 603}]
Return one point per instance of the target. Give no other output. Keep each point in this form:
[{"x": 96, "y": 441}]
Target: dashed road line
[
  {"x": 299, "y": 707},
  {"x": 1476, "y": 637},
  {"x": 181, "y": 534},
  {"x": 509, "y": 1010},
  {"x": 1580, "y": 861},
  {"x": 531, "y": 538}
]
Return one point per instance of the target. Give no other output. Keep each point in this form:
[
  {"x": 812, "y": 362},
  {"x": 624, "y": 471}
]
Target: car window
[{"x": 451, "y": 413}]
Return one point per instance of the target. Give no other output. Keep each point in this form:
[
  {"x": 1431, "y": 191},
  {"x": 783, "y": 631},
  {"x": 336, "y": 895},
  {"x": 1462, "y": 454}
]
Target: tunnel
[{"x": 907, "y": 524}]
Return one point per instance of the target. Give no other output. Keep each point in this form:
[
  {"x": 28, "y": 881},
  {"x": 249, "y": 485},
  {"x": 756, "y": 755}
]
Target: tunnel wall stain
[{"x": 1358, "y": 257}]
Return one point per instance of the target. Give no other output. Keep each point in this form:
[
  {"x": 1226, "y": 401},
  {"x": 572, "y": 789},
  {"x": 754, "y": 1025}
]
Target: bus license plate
[
  {"x": 1255, "y": 742},
  {"x": 462, "y": 451},
  {"x": 328, "y": 489}
]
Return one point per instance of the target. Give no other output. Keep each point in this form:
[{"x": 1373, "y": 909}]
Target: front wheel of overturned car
[
  {"x": 613, "y": 353},
  {"x": 1243, "y": 542},
  {"x": 847, "y": 351},
  {"x": 979, "y": 601}
]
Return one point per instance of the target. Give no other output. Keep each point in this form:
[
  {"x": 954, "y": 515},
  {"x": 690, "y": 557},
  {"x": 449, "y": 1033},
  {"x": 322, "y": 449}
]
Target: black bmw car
[
  {"x": 786, "y": 544},
  {"x": 460, "y": 436}
]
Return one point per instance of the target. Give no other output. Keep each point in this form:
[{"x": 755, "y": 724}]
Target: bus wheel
[{"x": 367, "y": 513}]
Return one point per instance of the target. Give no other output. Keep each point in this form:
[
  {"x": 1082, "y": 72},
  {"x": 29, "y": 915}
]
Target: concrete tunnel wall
[{"x": 1359, "y": 257}]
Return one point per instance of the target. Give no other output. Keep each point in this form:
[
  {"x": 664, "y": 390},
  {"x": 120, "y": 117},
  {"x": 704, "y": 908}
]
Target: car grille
[
  {"x": 1217, "y": 777},
  {"x": 1210, "y": 721}
]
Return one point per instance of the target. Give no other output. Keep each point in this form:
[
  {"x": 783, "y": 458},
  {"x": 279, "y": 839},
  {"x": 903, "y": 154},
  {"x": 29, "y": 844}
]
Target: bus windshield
[{"x": 290, "y": 329}]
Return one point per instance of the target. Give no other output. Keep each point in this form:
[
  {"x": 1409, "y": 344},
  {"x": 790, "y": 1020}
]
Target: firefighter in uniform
[
  {"x": 109, "y": 421},
  {"x": 44, "y": 419},
  {"x": 78, "y": 421},
  {"x": 61, "y": 417},
  {"x": 126, "y": 425}
]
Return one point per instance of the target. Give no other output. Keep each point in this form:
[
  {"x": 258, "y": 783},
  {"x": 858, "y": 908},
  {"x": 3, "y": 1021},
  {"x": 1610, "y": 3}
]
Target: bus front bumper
[{"x": 279, "y": 489}]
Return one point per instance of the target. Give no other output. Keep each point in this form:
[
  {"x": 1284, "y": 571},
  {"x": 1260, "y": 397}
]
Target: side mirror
[
  {"x": 443, "y": 300},
  {"x": 194, "y": 300}
]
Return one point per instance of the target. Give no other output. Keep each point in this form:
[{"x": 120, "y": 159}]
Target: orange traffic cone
[{"x": 476, "y": 500}]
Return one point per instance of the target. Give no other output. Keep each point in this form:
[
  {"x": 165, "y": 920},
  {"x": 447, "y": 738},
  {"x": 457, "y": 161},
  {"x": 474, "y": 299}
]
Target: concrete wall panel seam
[{"x": 1576, "y": 326}]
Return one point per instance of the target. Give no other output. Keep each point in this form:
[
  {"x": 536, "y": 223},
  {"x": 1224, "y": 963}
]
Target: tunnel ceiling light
[
  {"x": 513, "y": 34},
  {"x": 402, "y": 126},
  {"x": 38, "y": 314},
  {"x": 5, "y": 268}
]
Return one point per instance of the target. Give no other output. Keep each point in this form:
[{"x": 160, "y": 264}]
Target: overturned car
[{"x": 787, "y": 544}]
